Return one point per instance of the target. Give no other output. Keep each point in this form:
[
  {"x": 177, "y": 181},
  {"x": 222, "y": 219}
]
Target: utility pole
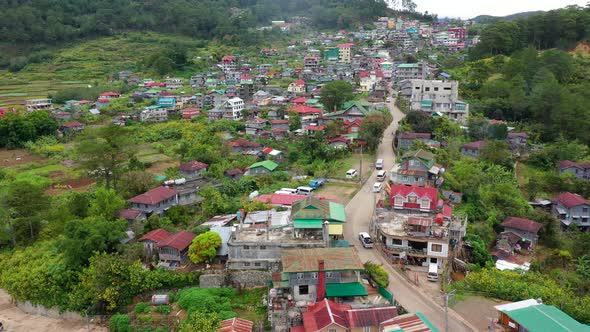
[
  {"x": 361, "y": 168},
  {"x": 446, "y": 296}
]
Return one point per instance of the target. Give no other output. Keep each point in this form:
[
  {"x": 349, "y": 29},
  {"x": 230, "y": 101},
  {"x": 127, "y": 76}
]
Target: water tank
[
  {"x": 160, "y": 299},
  {"x": 253, "y": 195},
  {"x": 180, "y": 181}
]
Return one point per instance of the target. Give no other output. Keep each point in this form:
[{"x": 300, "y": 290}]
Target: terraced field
[{"x": 13, "y": 93}]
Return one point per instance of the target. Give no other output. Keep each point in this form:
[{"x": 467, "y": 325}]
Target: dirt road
[
  {"x": 359, "y": 211},
  {"x": 16, "y": 320}
]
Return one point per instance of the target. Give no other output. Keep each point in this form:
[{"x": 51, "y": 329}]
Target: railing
[{"x": 408, "y": 250}]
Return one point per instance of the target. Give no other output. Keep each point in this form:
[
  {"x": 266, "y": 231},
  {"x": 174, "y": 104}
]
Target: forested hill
[
  {"x": 562, "y": 28},
  {"x": 486, "y": 19},
  {"x": 51, "y": 21}
]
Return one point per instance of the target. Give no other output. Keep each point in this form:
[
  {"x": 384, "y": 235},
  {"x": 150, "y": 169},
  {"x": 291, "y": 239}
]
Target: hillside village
[{"x": 342, "y": 181}]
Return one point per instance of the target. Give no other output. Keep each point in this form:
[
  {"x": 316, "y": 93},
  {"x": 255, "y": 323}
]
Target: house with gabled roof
[
  {"x": 580, "y": 170},
  {"x": 244, "y": 145},
  {"x": 416, "y": 168},
  {"x": 172, "y": 248},
  {"x": 297, "y": 86},
  {"x": 193, "y": 168},
  {"x": 412, "y": 322},
  {"x": 413, "y": 198},
  {"x": 405, "y": 140},
  {"x": 236, "y": 325},
  {"x": 262, "y": 167},
  {"x": 351, "y": 110},
  {"x": 571, "y": 208},
  {"x": 155, "y": 201},
  {"x": 311, "y": 214},
  {"x": 533, "y": 316},
  {"x": 473, "y": 149},
  {"x": 526, "y": 229}
]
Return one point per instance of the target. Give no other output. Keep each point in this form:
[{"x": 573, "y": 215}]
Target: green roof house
[
  {"x": 309, "y": 215},
  {"x": 533, "y": 316},
  {"x": 262, "y": 167},
  {"x": 351, "y": 110}
]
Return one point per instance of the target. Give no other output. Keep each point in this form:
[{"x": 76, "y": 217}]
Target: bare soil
[
  {"x": 16, "y": 320},
  {"x": 479, "y": 311},
  {"x": 81, "y": 184},
  {"x": 339, "y": 192},
  {"x": 159, "y": 168},
  {"x": 11, "y": 158}
]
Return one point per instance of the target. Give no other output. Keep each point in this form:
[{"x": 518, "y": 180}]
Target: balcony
[{"x": 408, "y": 250}]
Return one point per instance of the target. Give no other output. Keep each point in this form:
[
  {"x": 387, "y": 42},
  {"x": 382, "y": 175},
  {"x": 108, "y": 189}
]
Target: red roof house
[
  {"x": 570, "y": 200},
  {"x": 154, "y": 196},
  {"x": 413, "y": 198},
  {"x": 110, "y": 95},
  {"x": 236, "y": 325},
  {"x": 172, "y": 248},
  {"x": 522, "y": 224},
  {"x": 193, "y": 168},
  {"x": 179, "y": 241},
  {"x": 129, "y": 214},
  {"x": 414, "y": 322},
  {"x": 156, "y": 235},
  {"x": 299, "y": 101}
]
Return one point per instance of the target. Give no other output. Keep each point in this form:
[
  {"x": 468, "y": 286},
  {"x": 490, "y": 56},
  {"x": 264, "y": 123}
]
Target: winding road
[{"x": 359, "y": 211}]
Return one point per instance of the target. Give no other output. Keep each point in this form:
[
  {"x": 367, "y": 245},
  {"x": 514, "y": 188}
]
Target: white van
[
  {"x": 432, "y": 272},
  {"x": 377, "y": 187},
  {"x": 304, "y": 190},
  {"x": 289, "y": 190},
  {"x": 365, "y": 239},
  {"x": 381, "y": 176},
  {"x": 379, "y": 164},
  {"x": 351, "y": 173}
]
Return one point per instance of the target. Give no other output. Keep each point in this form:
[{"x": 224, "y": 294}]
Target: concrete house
[
  {"x": 254, "y": 127},
  {"x": 579, "y": 170},
  {"x": 405, "y": 140},
  {"x": 192, "y": 168},
  {"x": 571, "y": 208},
  {"x": 473, "y": 149},
  {"x": 517, "y": 140},
  {"x": 233, "y": 109},
  {"x": 174, "y": 83},
  {"x": 413, "y": 198},
  {"x": 526, "y": 229},
  {"x": 436, "y": 98},
  {"x": 262, "y": 167},
  {"x": 311, "y": 215},
  {"x": 155, "y": 201},
  {"x": 297, "y": 86},
  {"x": 38, "y": 104},
  {"x": 315, "y": 274}
]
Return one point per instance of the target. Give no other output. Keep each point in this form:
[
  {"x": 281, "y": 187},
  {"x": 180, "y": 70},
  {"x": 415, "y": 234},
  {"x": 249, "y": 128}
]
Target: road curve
[{"x": 359, "y": 211}]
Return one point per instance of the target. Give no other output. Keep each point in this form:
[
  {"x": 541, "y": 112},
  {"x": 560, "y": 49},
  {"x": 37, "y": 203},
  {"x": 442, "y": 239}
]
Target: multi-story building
[
  {"x": 39, "y": 104},
  {"x": 579, "y": 170},
  {"x": 345, "y": 52},
  {"x": 153, "y": 114},
  {"x": 417, "y": 168},
  {"x": 311, "y": 62},
  {"x": 409, "y": 71},
  {"x": 174, "y": 83},
  {"x": 228, "y": 63},
  {"x": 435, "y": 97},
  {"x": 571, "y": 208},
  {"x": 233, "y": 109}
]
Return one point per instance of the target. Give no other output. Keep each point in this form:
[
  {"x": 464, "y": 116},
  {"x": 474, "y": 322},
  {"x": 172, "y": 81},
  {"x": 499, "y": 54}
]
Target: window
[
  {"x": 448, "y": 89},
  {"x": 424, "y": 204},
  {"x": 300, "y": 276},
  {"x": 332, "y": 330},
  {"x": 396, "y": 242},
  {"x": 246, "y": 264},
  {"x": 367, "y": 329},
  {"x": 436, "y": 89},
  {"x": 246, "y": 247},
  {"x": 584, "y": 210},
  {"x": 329, "y": 275},
  {"x": 256, "y": 264},
  {"x": 314, "y": 275},
  {"x": 436, "y": 247},
  {"x": 303, "y": 290},
  {"x": 426, "y": 89},
  {"x": 262, "y": 247},
  {"x": 399, "y": 201}
]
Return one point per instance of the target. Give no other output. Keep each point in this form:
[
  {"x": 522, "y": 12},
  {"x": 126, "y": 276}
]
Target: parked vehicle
[
  {"x": 304, "y": 190},
  {"x": 289, "y": 190},
  {"x": 381, "y": 175},
  {"x": 377, "y": 187},
  {"x": 432, "y": 272},
  {"x": 366, "y": 240},
  {"x": 379, "y": 164},
  {"x": 316, "y": 183},
  {"x": 351, "y": 173}
]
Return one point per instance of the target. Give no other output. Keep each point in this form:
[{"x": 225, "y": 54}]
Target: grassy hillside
[{"x": 83, "y": 63}]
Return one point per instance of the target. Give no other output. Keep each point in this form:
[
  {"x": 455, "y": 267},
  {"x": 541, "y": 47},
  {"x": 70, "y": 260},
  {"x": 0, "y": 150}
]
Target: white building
[
  {"x": 153, "y": 114},
  {"x": 173, "y": 83},
  {"x": 439, "y": 98},
  {"x": 39, "y": 104},
  {"x": 233, "y": 109},
  {"x": 345, "y": 52}
]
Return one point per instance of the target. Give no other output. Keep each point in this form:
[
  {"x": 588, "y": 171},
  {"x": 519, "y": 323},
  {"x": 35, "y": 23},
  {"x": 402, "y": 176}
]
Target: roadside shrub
[
  {"x": 377, "y": 273},
  {"x": 120, "y": 323}
]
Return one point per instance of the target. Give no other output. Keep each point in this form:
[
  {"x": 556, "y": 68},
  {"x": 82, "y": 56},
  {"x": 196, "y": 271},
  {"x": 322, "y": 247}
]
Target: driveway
[{"x": 359, "y": 211}]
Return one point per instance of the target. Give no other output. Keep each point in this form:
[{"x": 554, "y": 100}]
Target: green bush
[
  {"x": 164, "y": 309},
  {"x": 120, "y": 323},
  {"x": 142, "y": 308},
  {"x": 377, "y": 273},
  {"x": 206, "y": 299}
]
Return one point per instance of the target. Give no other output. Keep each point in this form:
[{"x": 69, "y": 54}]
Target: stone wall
[
  {"x": 213, "y": 280},
  {"x": 246, "y": 279},
  {"x": 32, "y": 309}
]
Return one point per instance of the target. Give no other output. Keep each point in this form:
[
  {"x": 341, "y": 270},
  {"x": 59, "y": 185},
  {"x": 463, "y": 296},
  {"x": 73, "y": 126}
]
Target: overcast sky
[{"x": 470, "y": 8}]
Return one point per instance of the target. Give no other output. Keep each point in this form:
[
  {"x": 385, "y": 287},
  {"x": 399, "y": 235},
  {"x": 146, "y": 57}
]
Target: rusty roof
[{"x": 305, "y": 260}]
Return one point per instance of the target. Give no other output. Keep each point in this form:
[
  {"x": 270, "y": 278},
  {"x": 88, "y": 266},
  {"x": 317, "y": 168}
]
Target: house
[
  {"x": 307, "y": 114},
  {"x": 317, "y": 218},
  {"x": 345, "y": 52},
  {"x": 234, "y": 173},
  {"x": 351, "y": 111},
  {"x": 225, "y": 234},
  {"x": 352, "y": 127},
  {"x": 413, "y": 198},
  {"x": 435, "y": 97},
  {"x": 579, "y": 170},
  {"x": 130, "y": 215},
  {"x": 155, "y": 201},
  {"x": 571, "y": 208},
  {"x": 408, "y": 71},
  {"x": 262, "y": 167},
  {"x": 327, "y": 315},
  {"x": 405, "y": 140},
  {"x": 228, "y": 63},
  {"x": 192, "y": 168},
  {"x": 191, "y": 112},
  {"x": 255, "y": 126},
  {"x": 282, "y": 200},
  {"x": 412, "y": 322},
  {"x": 416, "y": 168},
  {"x": 174, "y": 83},
  {"x": 318, "y": 273},
  {"x": 297, "y": 86},
  {"x": 311, "y": 62},
  {"x": 72, "y": 127},
  {"x": 38, "y": 104},
  {"x": 279, "y": 124},
  {"x": 274, "y": 155},
  {"x": 243, "y": 145},
  {"x": 517, "y": 140},
  {"x": 340, "y": 143},
  {"x": 233, "y": 109},
  {"x": 525, "y": 228},
  {"x": 236, "y": 325},
  {"x": 534, "y": 316},
  {"x": 109, "y": 95},
  {"x": 172, "y": 248},
  {"x": 314, "y": 129},
  {"x": 153, "y": 114},
  {"x": 473, "y": 149}
]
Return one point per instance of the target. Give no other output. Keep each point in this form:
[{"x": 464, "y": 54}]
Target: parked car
[
  {"x": 304, "y": 190},
  {"x": 351, "y": 173},
  {"x": 381, "y": 176},
  {"x": 432, "y": 272},
  {"x": 316, "y": 183},
  {"x": 377, "y": 187},
  {"x": 379, "y": 164},
  {"x": 366, "y": 240}
]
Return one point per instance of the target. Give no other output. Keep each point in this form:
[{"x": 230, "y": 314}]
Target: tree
[
  {"x": 334, "y": 94},
  {"x": 372, "y": 129},
  {"x": 27, "y": 202},
  {"x": 204, "y": 247},
  {"x": 419, "y": 121},
  {"x": 480, "y": 254},
  {"x": 103, "y": 153},
  {"x": 106, "y": 203},
  {"x": 294, "y": 121},
  {"x": 133, "y": 183},
  {"x": 199, "y": 321},
  {"x": 82, "y": 238}
]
